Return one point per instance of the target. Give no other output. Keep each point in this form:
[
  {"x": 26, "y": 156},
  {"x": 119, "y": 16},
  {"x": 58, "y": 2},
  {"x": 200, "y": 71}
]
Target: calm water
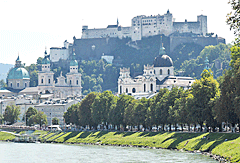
[{"x": 49, "y": 153}]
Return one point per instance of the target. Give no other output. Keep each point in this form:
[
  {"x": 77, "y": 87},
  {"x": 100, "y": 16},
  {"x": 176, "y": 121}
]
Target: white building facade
[
  {"x": 155, "y": 77},
  {"x": 69, "y": 86},
  {"x": 57, "y": 53}
]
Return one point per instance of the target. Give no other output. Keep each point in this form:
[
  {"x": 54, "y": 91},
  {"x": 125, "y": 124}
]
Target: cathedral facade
[
  {"x": 65, "y": 86},
  {"x": 155, "y": 77}
]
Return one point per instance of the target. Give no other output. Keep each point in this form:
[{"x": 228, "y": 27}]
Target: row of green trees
[{"x": 198, "y": 105}]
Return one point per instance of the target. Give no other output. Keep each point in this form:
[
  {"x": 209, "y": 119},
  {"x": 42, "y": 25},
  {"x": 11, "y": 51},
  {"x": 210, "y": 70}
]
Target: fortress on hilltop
[{"x": 145, "y": 26}]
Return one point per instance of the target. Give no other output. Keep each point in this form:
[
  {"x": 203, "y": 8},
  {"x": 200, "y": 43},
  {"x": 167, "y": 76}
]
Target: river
[{"x": 59, "y": 153}]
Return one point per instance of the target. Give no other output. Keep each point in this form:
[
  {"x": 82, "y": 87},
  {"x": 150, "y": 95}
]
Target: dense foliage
[
  {"x": 55, "y": 121},
  {"x": 39, "y": 118},
  {"x": 11, "y": 114}
]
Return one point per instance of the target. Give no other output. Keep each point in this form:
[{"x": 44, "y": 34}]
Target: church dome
[
  {"x": 45, "y": 60},
  {"x": 163, "y": 61},
  {"x": 18, "y": 73}
]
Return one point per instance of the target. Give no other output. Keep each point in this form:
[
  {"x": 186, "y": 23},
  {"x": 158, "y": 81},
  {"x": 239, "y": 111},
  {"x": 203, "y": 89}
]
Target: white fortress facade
[{"x": 145, "y": 26}]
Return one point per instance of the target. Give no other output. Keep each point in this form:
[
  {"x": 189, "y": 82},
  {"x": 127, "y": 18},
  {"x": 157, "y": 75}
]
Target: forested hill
[{"x": 4, "y": 68}]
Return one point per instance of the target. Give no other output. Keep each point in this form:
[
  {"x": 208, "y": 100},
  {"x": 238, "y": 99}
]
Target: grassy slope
[
  {"x": 224, "y": 144},
  {"x": 6, "y": 136},
  {"x": 214, "y": 142}
]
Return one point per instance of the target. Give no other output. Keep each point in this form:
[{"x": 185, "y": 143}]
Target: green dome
[
  {"x": 45, "y": 60},
  {"x": 18, "y": 73},
  {"x": 73, "y": 63}
]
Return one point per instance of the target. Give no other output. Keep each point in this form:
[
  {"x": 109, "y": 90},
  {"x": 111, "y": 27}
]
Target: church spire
[{"x": 161, "y": 49}]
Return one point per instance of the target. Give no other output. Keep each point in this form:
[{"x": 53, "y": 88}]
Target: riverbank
[{"x": 217, "y": 145}]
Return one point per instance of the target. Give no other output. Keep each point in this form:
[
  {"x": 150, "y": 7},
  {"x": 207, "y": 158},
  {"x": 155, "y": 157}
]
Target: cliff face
[{"x": 142, "y": 52}]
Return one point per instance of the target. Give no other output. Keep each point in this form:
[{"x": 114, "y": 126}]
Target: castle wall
[{"x": 145, "y": 26}]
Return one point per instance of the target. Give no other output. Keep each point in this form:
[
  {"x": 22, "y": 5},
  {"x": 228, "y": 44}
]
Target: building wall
[
  {"x": 58, "y": 53},
  {"x": 18, "y": 83}
]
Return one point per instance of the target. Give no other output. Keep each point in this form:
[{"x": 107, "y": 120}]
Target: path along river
[{"x": 59, "y": 153}]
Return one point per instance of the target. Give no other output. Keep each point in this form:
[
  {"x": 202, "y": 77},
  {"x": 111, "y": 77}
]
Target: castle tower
[{"x": 203, "y": 24}]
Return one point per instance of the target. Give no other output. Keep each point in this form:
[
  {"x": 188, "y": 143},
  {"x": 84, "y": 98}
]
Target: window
[
  {"x": 17, "y": 84},
  {"x": 70, "y": 82},
  {"x": 11, "y": 85},
  {"x": 133, "y": 90},
  {"x": 77, "y": 82},
  {"x": 126, "y": 90},
  {"x": 49, "y": 81},
  {"x": 25, "y": 84},
  {"x": 151, "y": 86},
  {"x": 42, "y": 81},
  {"x": 160, "y": 71},
  {"x": 144, "y": 88},
  {"x": 120, "y": 90},
  {"x": 168, "y": 72}
]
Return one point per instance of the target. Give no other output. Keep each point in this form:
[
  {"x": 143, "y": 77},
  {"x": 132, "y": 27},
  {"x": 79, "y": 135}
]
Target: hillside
[{"x": 4, "y": 68}]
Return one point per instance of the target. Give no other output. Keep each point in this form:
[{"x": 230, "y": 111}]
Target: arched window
[
  {"x": 42, "y": 81},
  {"x": 144, "y": 88},
  {"x": 77, "y": 82},
  {"x": 133, "y": 90},
  {"x": 70, "y": 82},
  {"x": 120, "y": 90},
  {"x": 160, "y": 71},
  {"x": 168, "y": 72},
  {"x": 17, "y": 84},
  {"x": 126, "y": 90},
  {"x": 49, "y": 81},
  {"x": 151, "y": 87}
]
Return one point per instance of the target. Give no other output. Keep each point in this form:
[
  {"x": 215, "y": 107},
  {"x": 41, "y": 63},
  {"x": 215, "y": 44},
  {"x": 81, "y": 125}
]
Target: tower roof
[{"x": 73, "y": 61}]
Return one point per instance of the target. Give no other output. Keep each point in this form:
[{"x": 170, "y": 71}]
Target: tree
[
  {"x": 203, "y": 91},
  {"x": 39, "y": 118},
  {"x": 84, "y": 110},
  {"x": 101, "y": 107},
  {"x": 2, "y": 84},
  {"x": 233, "y": 18},
  {"x": 31, "y": 111},
  {"x": 11, "y": 114},
  {"x": 118, "y": 111},
  {"x": 55, "y": 121},
  {"x": 1, "y": 119},
  {"x": 71, "y": 115}
]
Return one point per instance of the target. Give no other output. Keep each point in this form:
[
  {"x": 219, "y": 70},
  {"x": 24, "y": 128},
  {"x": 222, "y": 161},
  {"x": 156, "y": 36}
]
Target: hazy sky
[{"x": 28, "y": 26}]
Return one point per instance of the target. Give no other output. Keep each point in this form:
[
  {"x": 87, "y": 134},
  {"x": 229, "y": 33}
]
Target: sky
[{"x": 28, "y": 27}]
